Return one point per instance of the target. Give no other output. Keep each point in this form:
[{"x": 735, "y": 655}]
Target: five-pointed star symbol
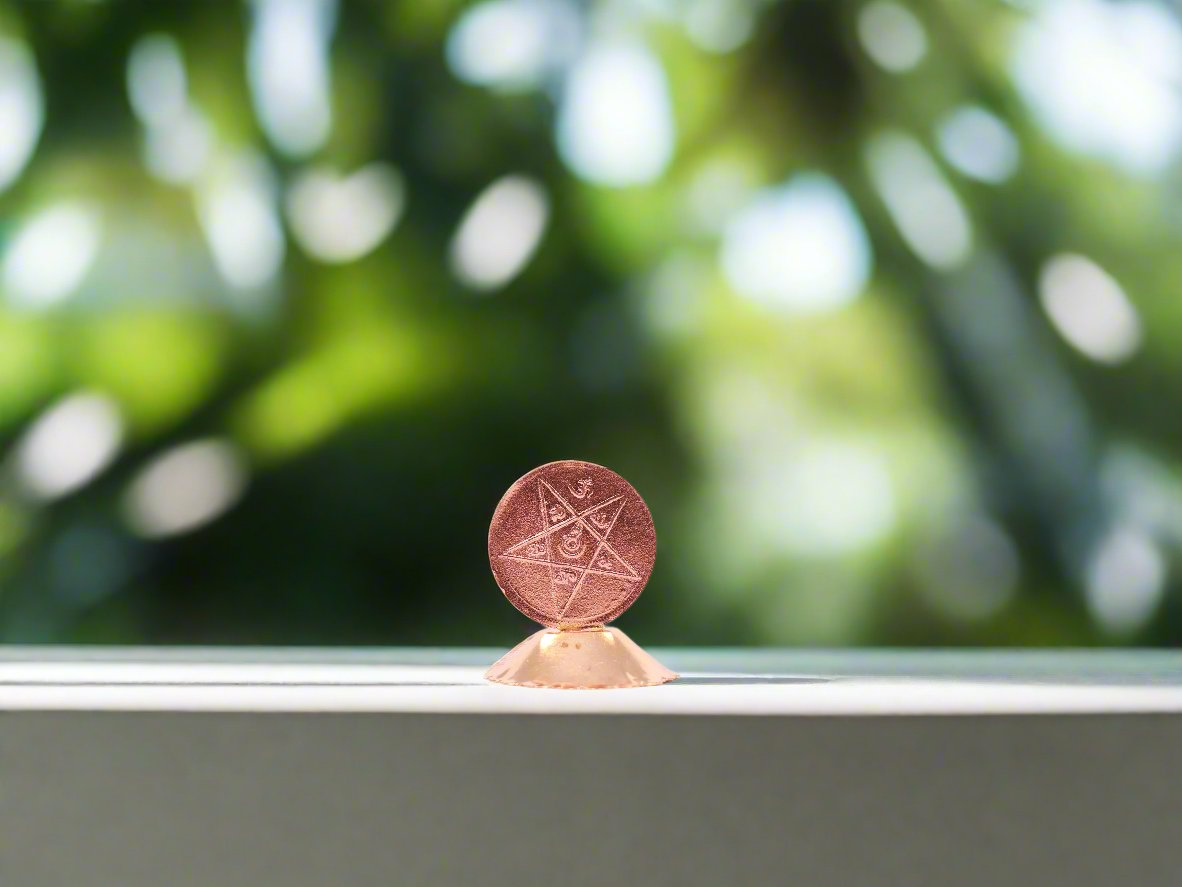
[{"x": 568, "y": 566}]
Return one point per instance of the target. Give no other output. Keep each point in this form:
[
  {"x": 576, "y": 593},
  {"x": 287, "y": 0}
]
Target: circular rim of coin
[{"x": 541, "y": 533}]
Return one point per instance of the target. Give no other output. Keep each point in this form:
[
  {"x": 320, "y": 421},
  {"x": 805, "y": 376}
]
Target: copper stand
[{"x": 597, "y": 657}]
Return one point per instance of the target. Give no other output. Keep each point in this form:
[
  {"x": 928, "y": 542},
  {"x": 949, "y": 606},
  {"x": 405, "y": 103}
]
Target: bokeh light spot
[
  {"x": 892, "y": 36},
  {"x": 237, "y": 211},
  {"x": 1089, "y": 309},
  {"x": 50, "y": 255},
  {"x": 180, "y": 150},
  {"x": 178, "y": 138},
  {"x": 1103, "y": 79},
  {"x": 839, "y": 497},
  {"x": 1125, "y": 580},
  {"x": 499, "y": 232},
  {"x": 799, "y": 247},
  {"x": 68, "y": 445},
  {"x": 823, "y": 499},
  {"x": 970, "y": 569},
  {"x": 287, "y": 65},
  {"x": 925, "y": 209},
  {"x": 156, "y": 82},
  {"x": 718, "y": 25},
  {"x": 513, "y": 45},
  {"x": 978, "y": 144},
  {"x": 22, "y": 110},
  {"x": 342, "y": 218},
  {"x": 185, "y": 488},
  {"x": 615, "y": 124}
]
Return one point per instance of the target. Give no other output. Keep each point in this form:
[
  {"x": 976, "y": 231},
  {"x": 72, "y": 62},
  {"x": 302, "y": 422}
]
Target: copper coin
[{"x": 572, "y": 544}]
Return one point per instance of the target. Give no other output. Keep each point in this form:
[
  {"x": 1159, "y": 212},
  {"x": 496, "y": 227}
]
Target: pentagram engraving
[{"x": 571, "y": 544}]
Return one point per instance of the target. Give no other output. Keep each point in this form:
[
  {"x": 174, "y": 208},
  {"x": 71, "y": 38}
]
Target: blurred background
[{"x": 878, "y": 304}]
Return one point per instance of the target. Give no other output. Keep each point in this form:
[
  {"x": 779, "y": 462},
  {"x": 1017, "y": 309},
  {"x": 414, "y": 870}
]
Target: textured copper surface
[{"x": 572, "y": 544}]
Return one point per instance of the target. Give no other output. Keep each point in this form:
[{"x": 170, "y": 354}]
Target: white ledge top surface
[{"x": 757, "y": 682}]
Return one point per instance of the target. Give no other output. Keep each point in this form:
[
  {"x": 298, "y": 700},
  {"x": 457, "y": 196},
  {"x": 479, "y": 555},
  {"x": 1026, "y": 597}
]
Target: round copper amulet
[{"x": 572, "y": 544}]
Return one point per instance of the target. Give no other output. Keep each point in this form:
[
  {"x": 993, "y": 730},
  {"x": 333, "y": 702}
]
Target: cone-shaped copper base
[{"x": 587, "y": 659}]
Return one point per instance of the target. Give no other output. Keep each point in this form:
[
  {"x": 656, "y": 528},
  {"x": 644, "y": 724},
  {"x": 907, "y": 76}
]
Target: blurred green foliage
[{"x": 876, "y": 307}]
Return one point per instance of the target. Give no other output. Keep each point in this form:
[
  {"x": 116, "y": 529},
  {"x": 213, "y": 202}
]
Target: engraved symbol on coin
[
  {"x": 600, "y": 555},
  {"x": 584, "y": 488},
  {"x": 572, "y": 545}
]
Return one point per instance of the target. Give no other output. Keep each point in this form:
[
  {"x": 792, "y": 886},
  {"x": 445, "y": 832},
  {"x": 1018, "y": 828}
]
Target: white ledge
[{"x": 736, "y": 682}]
